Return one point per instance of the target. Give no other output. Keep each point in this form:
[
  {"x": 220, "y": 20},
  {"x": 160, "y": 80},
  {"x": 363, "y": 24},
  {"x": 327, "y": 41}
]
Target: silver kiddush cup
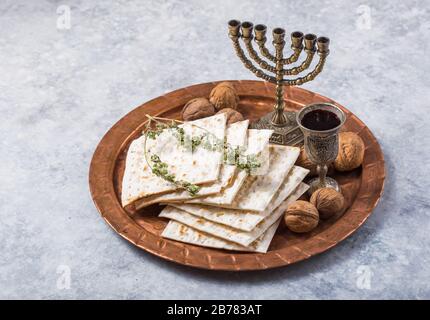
[{"x": 321, "y": 146}]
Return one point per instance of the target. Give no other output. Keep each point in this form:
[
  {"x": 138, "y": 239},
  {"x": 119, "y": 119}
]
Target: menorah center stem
[
  {"x": 279, "y": 118},
  {"x": 279, "y": 96}
]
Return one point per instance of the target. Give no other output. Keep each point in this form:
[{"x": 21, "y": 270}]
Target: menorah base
[{"x": 289, "y": 134}]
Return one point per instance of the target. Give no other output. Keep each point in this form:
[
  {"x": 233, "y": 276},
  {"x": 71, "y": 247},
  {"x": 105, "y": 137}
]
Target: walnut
[
  {"x": 232, "y": 115},
  {"x": 224, "y": 96},
  {"x": 351, "y": 152},
  {"x": 301, "y": 216},
  {"x": 197, "y": 108},
  {"x": 328, "y": 202},
  {"x": 305, "y": 162}
]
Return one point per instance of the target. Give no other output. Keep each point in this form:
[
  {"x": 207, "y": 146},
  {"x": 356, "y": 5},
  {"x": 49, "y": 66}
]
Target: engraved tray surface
[{"x": 362, "y": 187}]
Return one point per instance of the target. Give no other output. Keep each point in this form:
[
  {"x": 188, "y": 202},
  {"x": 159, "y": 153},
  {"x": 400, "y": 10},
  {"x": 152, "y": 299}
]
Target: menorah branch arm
[
  {"x": 297, "y": 46},
  {"x": 254, "y": 55},
  {"x": 310, "y": 76},
  {"x": 294, "y": 56},
  {"x": 264, "y": 51},
  {"x": 248, "y": 64},
  {"x": 303, "y": 66}
]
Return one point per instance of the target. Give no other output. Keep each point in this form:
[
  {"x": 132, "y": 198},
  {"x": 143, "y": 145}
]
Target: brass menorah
[{"x": 283, "y": 123}]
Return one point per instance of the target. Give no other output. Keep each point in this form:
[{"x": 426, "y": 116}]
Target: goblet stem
[{"x": 322, "y": 173}]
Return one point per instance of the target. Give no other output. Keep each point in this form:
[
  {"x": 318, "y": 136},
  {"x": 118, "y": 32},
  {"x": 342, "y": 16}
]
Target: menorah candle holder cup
[
  {"x": 297, "y": 40},
  {"x": 278, "y": 36},
  {"x": 260, "y": 32},
  {"x": 271, "y": 68}
]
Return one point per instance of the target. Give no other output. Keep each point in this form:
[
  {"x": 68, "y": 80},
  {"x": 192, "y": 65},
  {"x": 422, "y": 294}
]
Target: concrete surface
[{"x": 63, "y": 86}]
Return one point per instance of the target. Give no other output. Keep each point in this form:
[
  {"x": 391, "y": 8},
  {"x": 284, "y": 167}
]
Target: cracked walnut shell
[
  {"x": 351, "y": 152},
  {"x": 197, "y": 108},
  {"x": 328, "y": 202},
  {"x": 224, "y": 96},
  {"x": 301, "y": 216}
]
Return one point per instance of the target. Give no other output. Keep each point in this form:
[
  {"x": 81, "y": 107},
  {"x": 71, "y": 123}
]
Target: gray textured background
[{"x": 61, "y": 90}]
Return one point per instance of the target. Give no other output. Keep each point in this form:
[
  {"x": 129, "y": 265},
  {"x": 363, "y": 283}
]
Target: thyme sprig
[
  {"x": 159, "y": 168},
  {"x": 232, "y": 155}
]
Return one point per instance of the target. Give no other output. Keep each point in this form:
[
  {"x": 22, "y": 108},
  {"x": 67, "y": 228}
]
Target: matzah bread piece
[
  {"x": 243, "y": 219},
  {"x": 198, "y": 167},
  {"x": 243, "y": 238},
  {"x": 235, "y": 136},
  {"x": 180, "y": 232},
  {"x": 257, "y": 191},
  {"x": 258, "y": 141}
]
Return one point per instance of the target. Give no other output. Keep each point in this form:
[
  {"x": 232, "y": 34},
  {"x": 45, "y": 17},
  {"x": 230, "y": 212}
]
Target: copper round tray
[{"x": 362, "y": 187}]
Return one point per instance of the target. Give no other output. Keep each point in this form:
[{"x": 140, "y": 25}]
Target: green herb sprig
[{"x": 160, "y": 169}]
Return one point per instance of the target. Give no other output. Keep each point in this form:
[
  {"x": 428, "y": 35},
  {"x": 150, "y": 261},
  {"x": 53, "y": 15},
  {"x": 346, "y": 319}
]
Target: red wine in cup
[{"x": 320, "y": 120}]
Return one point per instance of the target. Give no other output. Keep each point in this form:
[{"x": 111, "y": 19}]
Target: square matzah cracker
[
  {"x": 258, "y": 141},
  {"x": 235, "y": 136},
  {"x": 243, "y": 219},
  {"x": 241, "y": 237},
  {"x": 257, "y": 191},
  {"x": 180, "y": 232},
  {"x": 198, "y": 167}
]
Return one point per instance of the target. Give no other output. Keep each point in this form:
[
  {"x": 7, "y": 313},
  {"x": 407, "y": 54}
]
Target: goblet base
[{"x": 314, "y": 184}]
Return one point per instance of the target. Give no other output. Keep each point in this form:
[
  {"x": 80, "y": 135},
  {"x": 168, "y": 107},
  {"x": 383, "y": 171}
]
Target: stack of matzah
[{"x": 233, "y": 209}]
